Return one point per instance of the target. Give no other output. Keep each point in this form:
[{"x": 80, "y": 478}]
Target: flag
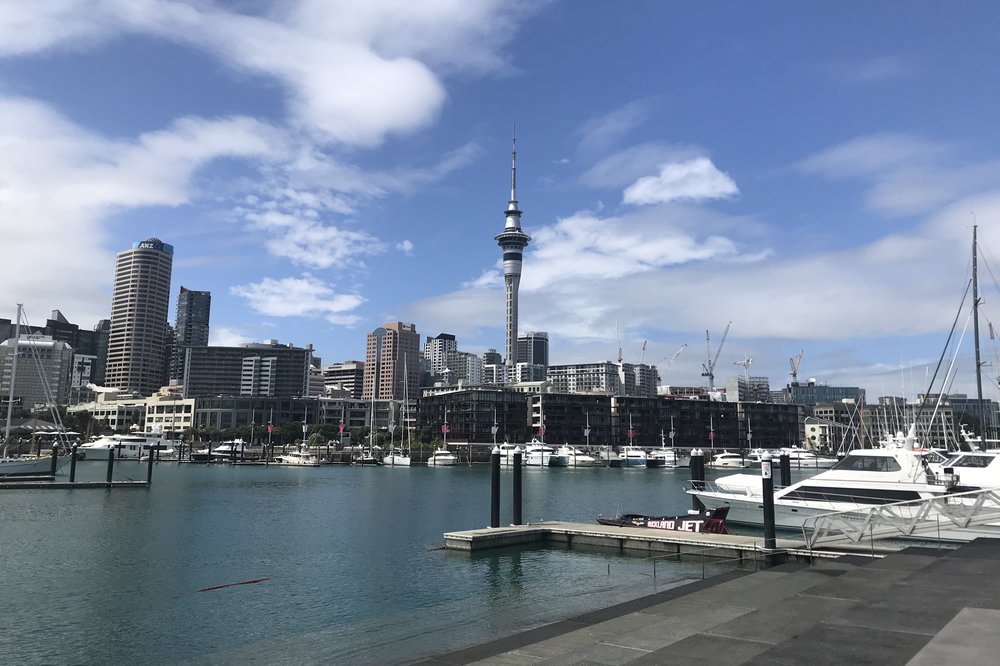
[
  {"x": 541, "y": 431},
  {"x": 270, "y": 427},
  {"x": 341, "y": 427},
  {"x": 444, "y": 428}
]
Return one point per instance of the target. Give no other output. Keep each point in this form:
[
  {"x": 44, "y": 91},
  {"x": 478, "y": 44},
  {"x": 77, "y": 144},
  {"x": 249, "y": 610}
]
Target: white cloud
[
  {"x": 405, "y": 246},
  {"x": 906, "y": 175},
  {"x": 306, "y": 296},
  {"x": 309, "y": 242},
  {"x": 59, "y": 184},
  {"x": 354, "y": 73},
  {"x": 225, "y": 336},
  {"x": 600, "y": 134},
  {"x": 694, "y": 180},
  {"x": 625, "y": 166}
]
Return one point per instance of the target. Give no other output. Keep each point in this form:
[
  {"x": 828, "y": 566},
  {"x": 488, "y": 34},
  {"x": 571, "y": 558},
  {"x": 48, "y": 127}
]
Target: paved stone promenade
[{"x": 919, "y": 606}]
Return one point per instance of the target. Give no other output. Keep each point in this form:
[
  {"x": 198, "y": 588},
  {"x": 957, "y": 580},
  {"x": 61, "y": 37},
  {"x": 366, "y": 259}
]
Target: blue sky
[{"x": 810, "y": 172}]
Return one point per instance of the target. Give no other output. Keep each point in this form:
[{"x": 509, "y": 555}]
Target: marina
[{"x": 354, "y": 554}]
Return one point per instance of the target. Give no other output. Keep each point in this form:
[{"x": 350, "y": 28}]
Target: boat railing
[
  {"x": 758, "y": 556},
  {"x": 910, "y": 518}
]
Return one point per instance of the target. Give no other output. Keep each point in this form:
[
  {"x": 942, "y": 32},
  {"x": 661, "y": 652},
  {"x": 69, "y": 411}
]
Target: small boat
[
  {"x": 570, "y": 456},
  {"x": 442, "y": 457},
  {"x": 300, "y": 458},
  {"x": 722, "y": 460},
  {"x": 712, "y": 521},
  {"x": 607, "y": 457}
]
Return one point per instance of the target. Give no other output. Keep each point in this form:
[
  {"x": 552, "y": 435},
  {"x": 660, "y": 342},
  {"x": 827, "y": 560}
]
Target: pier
[
  {"x": 655, "y": 542},
  {"x": 919, "y": 606}
]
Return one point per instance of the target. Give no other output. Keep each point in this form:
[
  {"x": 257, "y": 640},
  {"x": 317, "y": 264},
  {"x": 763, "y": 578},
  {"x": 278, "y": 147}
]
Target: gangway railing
[{"x": 910, "y": 518}]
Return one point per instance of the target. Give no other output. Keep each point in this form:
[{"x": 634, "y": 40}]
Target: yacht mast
[
  {"x": 13, "y": 376},
  {"x": 975, "y": 325}
]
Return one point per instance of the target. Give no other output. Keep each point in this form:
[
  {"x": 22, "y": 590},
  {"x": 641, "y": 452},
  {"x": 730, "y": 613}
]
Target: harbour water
[{"x": 352, "y": 558}]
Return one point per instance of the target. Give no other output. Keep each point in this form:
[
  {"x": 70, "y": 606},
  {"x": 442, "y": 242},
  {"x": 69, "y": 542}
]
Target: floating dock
[
  {"x": 54, "y": 485},
  {"x": 635, "y": 539}
]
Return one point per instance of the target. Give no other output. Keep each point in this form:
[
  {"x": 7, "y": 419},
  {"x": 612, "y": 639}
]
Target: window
[{"x": 862, "y": 463}]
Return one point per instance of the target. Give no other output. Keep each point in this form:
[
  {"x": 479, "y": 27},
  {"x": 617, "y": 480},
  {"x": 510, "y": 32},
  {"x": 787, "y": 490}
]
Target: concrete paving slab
[
  {"x": 684, "y": 623},
  {"x": 782, "y": 621},
  {"x": 607, "y": 654},
  {"x": 831, "y": 645},
  {"x": 703, "y": 650},
  {"x": 970, "y": 638},
  {"x": 857, "y": 584},
  {"x": 904, "y": 608},
  {"x": 771, "y": 591},
  {"x": 902, "y": 561}
]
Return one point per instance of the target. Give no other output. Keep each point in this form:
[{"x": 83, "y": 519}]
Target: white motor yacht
[
  {"x": 863, "y": 479},
  {"x": 302, "y": 457},
  {"x": 570, "y": 456},
  {"x": 126, "y": 447},
  {"x": 723, "y": 460},
  {"x": 632, "y": 456},
  {"x": 537, "y": 453},
  {"x": 442, "y": 457},
  {"x": 667, "y": 458}
]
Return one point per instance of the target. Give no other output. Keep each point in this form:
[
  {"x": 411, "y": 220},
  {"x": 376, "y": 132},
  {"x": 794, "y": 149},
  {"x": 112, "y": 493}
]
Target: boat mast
[
  {"x": 975, "y": 328},
  {"x": 13, "y": 376}
]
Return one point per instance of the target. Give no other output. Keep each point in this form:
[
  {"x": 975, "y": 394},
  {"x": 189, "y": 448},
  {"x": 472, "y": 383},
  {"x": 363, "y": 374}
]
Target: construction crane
[
  {"x": 671, "y": 358},
  {"x": 794, "y": 362},
  {"x": 746, "y": 368},
  {"x": 709, "y": 365},
  {"x": 642, "y": 353}
]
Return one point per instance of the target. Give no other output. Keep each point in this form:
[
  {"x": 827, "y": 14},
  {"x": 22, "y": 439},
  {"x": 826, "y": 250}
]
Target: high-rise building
[
  {"x": 139, "y": 317},
  {"x": 43, "y": 374},
  {"x": 347, "y": 376},
  {"x": 436, "y": 351},
  {"x": 392, "y": 362},
  {"x": 191, "y": 326},
  {"x": 512, "y": 241},
  {"x": 533, "y": 348}
]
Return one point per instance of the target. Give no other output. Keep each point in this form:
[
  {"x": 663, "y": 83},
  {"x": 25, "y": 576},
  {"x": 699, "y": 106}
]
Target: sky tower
[{"x": 512, "y": 241}]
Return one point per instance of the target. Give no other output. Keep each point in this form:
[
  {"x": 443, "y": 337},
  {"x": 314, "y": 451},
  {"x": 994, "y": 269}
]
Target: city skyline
[{"x": 801, "y": 171}]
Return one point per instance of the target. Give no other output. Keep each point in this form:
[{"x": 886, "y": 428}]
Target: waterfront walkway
[{"x": 919, "y": 606}]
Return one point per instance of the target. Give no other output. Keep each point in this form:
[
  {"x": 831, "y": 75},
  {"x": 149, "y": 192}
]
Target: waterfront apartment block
[
  {"x": 137, "y": 338},
  {"x": 605, "y": 377},
  {"x": 392, "y": 362},
  {"x": 268, "y": 370},
  {"x": 470, "y": 414}
]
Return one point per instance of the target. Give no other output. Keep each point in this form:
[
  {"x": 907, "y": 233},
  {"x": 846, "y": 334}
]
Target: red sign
[
  {"x": 631, "y": 433},
  {"x": 444, "y": 428},
  {"x": 711, "y": 435},
  {"x": 541, "y": 431},
  {"x": 341, "y": 427},
  {"x": 270, "y": 427}
]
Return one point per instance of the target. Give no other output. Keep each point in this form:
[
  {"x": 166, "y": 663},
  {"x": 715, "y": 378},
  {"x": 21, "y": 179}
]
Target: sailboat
[
  {"x": 398, "y": 457},
  {"x": 25, "y": 465},
  {"x": 367, "y": 456},
  {"x": 441, "y": 456}
]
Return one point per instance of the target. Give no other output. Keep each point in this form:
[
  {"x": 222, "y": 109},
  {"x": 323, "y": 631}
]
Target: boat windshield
[
  {"x": 970, "y": 461},
  {"x": 862, "y": 463}
]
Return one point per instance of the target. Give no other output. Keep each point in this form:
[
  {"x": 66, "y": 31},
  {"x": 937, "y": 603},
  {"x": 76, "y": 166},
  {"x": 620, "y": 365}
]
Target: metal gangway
[{"x": 951, "y": 517}]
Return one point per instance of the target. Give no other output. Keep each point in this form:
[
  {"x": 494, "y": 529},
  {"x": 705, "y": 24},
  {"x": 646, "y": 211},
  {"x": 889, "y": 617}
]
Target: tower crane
[
  {"x": 709, "y": 365},
  {"x": 794, "y": 362},
  {"x": 642, "y": 353},
  {"x": 673, "y": 357},
  {"x": 746, "y": 368}
]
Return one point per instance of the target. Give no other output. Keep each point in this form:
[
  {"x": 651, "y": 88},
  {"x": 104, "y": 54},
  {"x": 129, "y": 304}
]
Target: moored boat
[{"x": 712, "y": 521}]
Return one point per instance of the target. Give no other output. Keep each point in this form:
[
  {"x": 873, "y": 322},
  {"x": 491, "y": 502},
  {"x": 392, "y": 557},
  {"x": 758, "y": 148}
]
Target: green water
[{"x": 350, "y": 553}]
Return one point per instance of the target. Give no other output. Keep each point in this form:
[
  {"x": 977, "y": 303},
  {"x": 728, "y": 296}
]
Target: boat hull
[{"x": 30, "y": 466}]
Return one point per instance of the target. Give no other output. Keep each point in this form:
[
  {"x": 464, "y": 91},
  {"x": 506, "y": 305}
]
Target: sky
[{"x": 810, "y": 172}]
